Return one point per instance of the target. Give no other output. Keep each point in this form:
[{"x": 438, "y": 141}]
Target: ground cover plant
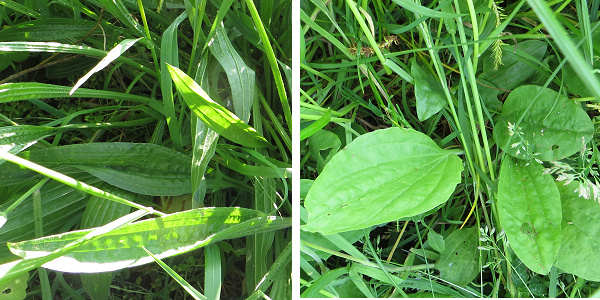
[
  {"x": 449, "y": 148},
  {"x": 145, "y": 149}
]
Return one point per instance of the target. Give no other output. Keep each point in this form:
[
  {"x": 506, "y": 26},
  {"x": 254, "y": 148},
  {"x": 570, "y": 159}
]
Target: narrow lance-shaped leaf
[
  {"x": 110, "y": 57},
  {"x": 15, "y": 139},
  {"x": 164, "y": 236},
  {"x": 381, "y": 176},
  {"x": 214, "y": 115}
]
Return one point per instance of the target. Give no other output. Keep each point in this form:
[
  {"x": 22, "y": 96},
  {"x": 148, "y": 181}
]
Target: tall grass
[{"x": 96, "y": 76}]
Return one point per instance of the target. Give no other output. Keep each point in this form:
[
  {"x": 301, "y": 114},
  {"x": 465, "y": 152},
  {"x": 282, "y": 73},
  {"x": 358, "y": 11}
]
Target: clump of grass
[{"x": 239, "y": 55}]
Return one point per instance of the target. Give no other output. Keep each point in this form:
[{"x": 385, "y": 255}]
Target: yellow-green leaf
[{"x": 214, "y": 115}]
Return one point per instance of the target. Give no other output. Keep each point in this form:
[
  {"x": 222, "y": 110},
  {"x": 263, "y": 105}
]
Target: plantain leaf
[
  {"x": 15, "y": 139},
  {"x": 529, "y": 210},
  {"x": 141, "y": 168},
  {"x": 458, "y": 263},
  {"x": 214, "y": 115},
  {"x": 579, "y": 252},
  {"x": 240, "y": 76},
  {"x": 51, "y": 29},
  {"x": 429, "y": 93},
  {"x": 381, "y": 176},
  {"x": 61, "y": 204},
  {"x": 553, "y": 128},
  {"x": 163, "y": 236}
]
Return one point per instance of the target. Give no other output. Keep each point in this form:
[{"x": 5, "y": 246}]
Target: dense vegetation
[
  {"x": 449, "y": 148},
  {"x": 178, "y": 109}
]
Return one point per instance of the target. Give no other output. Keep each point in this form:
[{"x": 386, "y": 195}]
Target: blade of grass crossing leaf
[
  {"x": 20, "y": 8},
  {"x": 188, "y": 287},
  {"x": 72, "y": 182},
  {"x": 166, "y": 236},
  {"x": 169, "y": 55},
  {"x": 39, "y": 232},
  {"x": 214, "y": 115},
  {"x": 273, "y": 63},
  {"x": 324, "y": 33},
  {"x": 205, "y": 143},
  {"x": 66, "y": 48},
  {"x": 315, "y": 126},
  {"x": 118, "y": 9},
  {"x": 221, "y": 13},
  {"x": 240, "y": 76},
  {"x": 566, "y": 46},
  {"x": 98, "y": 212},
  {"x": 212, "y": 272},
  {"x": 10, "y": 92},
  {"x": 260, "y": 244},
  {"x": 13, "y": 269},
  {"x": 323, "y": 281},
  {"x": 277, "y": 270},
  {"x": 111, "y": 56}
]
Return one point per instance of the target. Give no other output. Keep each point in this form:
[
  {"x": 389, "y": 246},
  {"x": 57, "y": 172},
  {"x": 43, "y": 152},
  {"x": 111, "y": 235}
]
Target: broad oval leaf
[
  {"x": 429, "y": 93},
  {"x": 579, "y": 252},
  {"x": 458, "y": 263},
  {"x": 163, "y": 236},
  {"x": 530, "y": 213},
  {"x": 553, "y": 128},
  {"x": 214, "y": 115},
  {"x": 381, "y": 176}
]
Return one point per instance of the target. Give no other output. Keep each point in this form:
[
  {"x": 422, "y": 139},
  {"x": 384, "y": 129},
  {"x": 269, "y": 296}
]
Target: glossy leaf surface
[
  {"x": 164, "y": 236},
  {"x": 529, "y": 210},
  {"x": 380, "y": 177},
  {"x": 214, "y": 115}
]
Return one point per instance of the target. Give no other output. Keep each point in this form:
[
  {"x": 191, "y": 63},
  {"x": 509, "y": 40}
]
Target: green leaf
[
  {"x": 429, "y": 93},
  {"x": 111, "y": 56},
  {"x": 552, "y": 125},
  {"x": 240, "y": 76},
  {"x": 186, "y": 286},
  {"x": 61, "y": 204},
  {"x": 141, "y": 168},
  {"x": 99, "y": 212},
  {"x": 459, "y": 263},
  {"x": 436, "y": 241},
  {"x": 517, "y": 67},
  {"x": 381, "y": 176},
  {"x": 580, "y": 249},
  {"x": 315, "y": 126},
  {"x": 323, "y": 145},
  {"x": 15, "y": 139},
  {"x": 421, "y": 10},
  {"x": 164, "y": 236},
  {"x": 529, "y": 210},
  {"x": 51, "y": 29},
  {"x": 16, "y": 289},
  {"x": 214, "y": 115}
]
